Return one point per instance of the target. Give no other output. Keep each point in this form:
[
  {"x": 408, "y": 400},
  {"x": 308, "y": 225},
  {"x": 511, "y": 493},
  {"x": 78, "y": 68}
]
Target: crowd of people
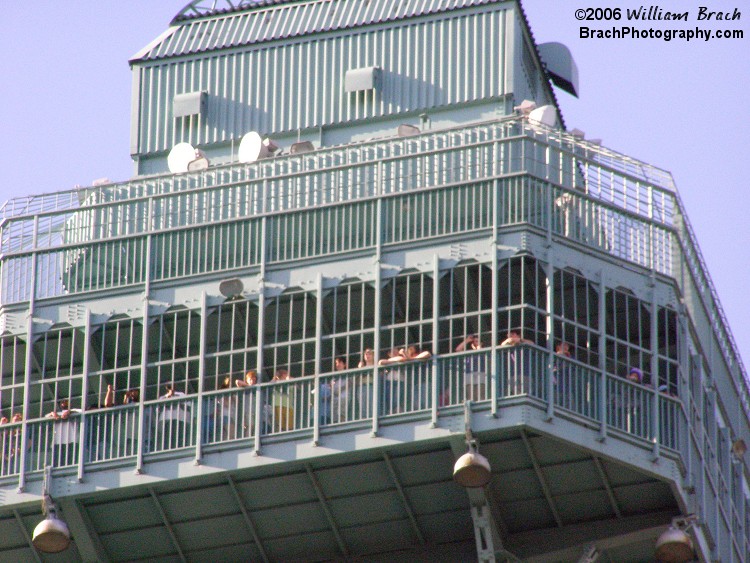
[{"x": 404, "y": 387}]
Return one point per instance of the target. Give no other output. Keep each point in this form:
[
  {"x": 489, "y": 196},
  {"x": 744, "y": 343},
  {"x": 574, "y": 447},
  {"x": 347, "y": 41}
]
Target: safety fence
[{"x": 412, "y": 389}]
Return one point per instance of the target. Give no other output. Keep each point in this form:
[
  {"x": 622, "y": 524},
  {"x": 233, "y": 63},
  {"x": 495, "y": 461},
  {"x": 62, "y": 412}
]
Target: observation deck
[{"x": 422, "y": 240}]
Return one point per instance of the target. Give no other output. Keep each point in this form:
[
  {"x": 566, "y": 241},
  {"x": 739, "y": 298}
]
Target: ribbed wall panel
[
  {"x": 282, "y": 88},
  {"x": 293, "y": 20}
]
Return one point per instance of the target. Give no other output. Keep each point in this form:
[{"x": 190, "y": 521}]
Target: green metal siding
[{"x": 282, "y": 87}]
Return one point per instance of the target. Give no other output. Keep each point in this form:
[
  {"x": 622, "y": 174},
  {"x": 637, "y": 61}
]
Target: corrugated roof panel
[{"x": 272, "y": 22}]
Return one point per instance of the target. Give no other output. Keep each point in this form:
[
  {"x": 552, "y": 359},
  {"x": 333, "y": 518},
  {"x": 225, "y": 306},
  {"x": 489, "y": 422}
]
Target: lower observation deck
[{"x": 302, "y": 470}]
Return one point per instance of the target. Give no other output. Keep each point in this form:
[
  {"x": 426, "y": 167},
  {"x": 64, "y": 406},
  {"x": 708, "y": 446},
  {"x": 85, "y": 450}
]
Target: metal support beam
[
  {"x": 26, "y": 535},
  {"x": 542, "y": 479},
  {"x": 607, "y": 487},
  {"x": 82, "y": 529},
  {"x": 326, "y": 510},
  {"x": 248, "y": 520},
  {"x": 483, "y": 534},
  {"x": 404, "y": 499},
  {"x": 167, "y": 524}
]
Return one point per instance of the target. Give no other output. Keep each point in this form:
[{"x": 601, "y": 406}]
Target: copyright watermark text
[{"x": 657, "y": 17}]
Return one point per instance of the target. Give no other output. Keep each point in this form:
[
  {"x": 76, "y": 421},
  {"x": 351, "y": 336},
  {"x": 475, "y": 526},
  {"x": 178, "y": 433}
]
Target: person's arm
[
  {"x": 423, "y": 355},
  {"x": 109, "y": 398},
  {"x": 462, "y": 345},
  {"x": 394, "y": 360}
]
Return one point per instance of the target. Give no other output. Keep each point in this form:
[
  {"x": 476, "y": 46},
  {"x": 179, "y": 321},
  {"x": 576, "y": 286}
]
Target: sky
[{"x": 682, "y": 106}]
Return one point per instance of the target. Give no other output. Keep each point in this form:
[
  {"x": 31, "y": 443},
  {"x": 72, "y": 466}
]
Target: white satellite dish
[
  {"x": 543, "y": 115},
  {"x": 180, "y": 157},
  {"x": 252, "y": 148}
]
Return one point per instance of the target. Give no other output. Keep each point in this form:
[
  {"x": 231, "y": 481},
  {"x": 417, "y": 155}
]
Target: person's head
[
  {"x": 368, "y": 355},
  {"x": 635, "y": 375},
  {"x": 16, "y": 417},
  {"x": 475, "y": 343},
  {"x": 281, "y": 374},
  {"x": 563, "y": 348},
  {"x": 339, "y": 363},
  {"x": 226, "y": 383},
  {"x": 131, "y": 396},
  {"x": 4, "y": 420},
  {"x": 251, "y": 377},
  {"x": 514, "y": 335},
  {"x": 64, "y": 404}
]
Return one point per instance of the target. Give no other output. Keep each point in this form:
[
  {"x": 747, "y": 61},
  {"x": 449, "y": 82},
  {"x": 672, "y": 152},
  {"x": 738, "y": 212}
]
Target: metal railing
[
  {"x": 242, "y": 415},
  {"x": 211, "y": 219}
]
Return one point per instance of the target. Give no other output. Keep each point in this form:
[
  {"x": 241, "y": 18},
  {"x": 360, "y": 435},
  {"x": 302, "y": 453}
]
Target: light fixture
[
  {"x": 231, "y": 287},
  {"x": 472, "y": 470},
  {"x": 51, "y": 535},
  {"x": 675, "y": 545},
  {"x": 406, "y": 130},
  {"x": 301, "y": 147}
]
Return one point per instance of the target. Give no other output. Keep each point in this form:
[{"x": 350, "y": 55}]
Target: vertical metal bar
[
  {"x": 379, "y": 190},
  {"x": 84, "y": 394},
  {"x": 550, "y": 282},
  {"x": 29, "y": 359},
  {"x": 495, "y": 285},
  {"x": 144, "y": 345},
  {"x": 654, "y": 345},
  {"x": 602, "y": 328},
  {"x": 318, "y": 352},
  {"x": 260, "y": 332},
  {"x": 435, "y": 338},
  {"x": 201, "y": 374},
  {"x": 27, "y": 386}
]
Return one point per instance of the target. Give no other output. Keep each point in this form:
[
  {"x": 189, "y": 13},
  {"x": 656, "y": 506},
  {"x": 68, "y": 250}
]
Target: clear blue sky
[{"x": 65, "y": 108}]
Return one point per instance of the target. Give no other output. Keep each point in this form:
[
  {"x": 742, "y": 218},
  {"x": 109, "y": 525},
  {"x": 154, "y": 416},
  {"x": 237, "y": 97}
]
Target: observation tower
[{"x": 361, "y": 243}]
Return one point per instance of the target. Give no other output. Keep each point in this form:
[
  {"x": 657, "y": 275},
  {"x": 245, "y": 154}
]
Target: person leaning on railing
[
  {"x": 281, "y": 401},
  {"x": 475, "y": 369},
  {"x": 517, "y": 381},
  {"x": 250, "y": 379},
  {"x": 174, "y": 419},
  {"x": 65, "y": 438},
  {"x": 365, "y": 383},
  {"x": 340, "y": 392},
  {"x": 393, "y": 381}
]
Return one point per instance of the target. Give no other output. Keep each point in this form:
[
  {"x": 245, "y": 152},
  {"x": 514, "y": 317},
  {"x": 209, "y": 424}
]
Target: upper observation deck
[{"x": 595, "y": 196}]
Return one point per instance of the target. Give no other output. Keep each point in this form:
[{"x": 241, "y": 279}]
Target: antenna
[
  {"x": 253, "y": 147},
  {"x": 183, "y": 158}
]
